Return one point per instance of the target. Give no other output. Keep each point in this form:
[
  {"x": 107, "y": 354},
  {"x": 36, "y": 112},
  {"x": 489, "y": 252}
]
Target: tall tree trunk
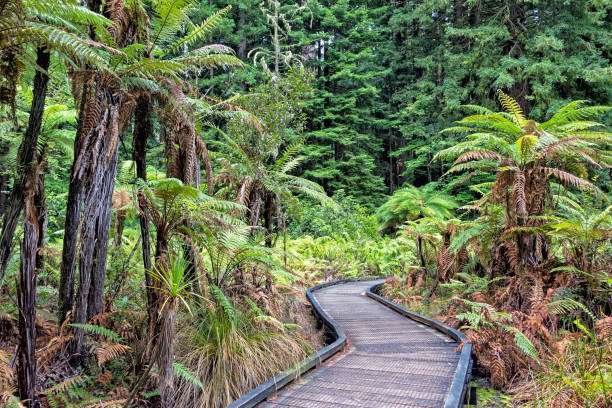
[
  {"x": 268, "y": 215},
  {"x": 26, "y": 370},
  {"x": 25, "y": 158},
  {"x": 242, "y": 54},
  {"x": 142, "y": 132},
  {"x": 165, "y": 356},
  {"x": 40, "y": 201},
  {"x": 119, "y": 227},
  {"x": 71, "y": 225},
  {"x": 4, "y": 179},
  {"x": 96, "y": 293},
  {"x": 26, "y": 183},
  {"x": 97, "y": 165}
]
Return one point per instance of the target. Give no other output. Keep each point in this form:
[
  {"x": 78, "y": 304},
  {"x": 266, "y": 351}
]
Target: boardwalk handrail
[
  {"x": 461, "y": 379},
  {"x": 458, "y": 387}
]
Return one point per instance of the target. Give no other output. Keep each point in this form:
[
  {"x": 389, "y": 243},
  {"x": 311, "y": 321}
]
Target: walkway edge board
[{"x": 461, "y": 379}]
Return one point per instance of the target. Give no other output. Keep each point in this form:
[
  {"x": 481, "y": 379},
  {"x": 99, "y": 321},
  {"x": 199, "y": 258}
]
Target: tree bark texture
[
  {"x": 4, "y": 180},
  {"x": 96, "y": 166},
  {"x": 26, "y": 369},
  {"x": 165, "y": 356},
  {"x": 142, "y": 132},
  {"x": 40, "y": 202},
  {"x": 26, "y": 157},
  {"x": 71, "y": 226}
]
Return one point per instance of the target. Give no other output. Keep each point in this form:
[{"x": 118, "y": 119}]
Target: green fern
[
  {"x": 523, "y": 343},
  {"x": 183, "y": 372},
  {"x": 99, "y": 330},
  {"x": 225, "y": 303},
  {"x": 564, "y": 306}
]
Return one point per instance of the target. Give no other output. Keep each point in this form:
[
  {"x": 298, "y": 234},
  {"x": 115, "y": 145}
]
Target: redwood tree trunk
[{"x": 25, "y": 159}]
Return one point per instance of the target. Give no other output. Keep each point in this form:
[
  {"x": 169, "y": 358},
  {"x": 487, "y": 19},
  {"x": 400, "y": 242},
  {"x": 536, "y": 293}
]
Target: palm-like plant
[
  {"x": 411, "y": 203},
  {"x": 524, "y": 155},
  {"x": 265, "y": 185}
]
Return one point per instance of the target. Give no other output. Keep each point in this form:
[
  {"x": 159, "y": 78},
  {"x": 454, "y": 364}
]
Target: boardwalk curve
[{"x": 394, "y": 358}]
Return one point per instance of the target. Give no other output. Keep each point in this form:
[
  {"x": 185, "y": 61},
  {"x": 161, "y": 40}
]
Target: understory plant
[{"x": 232, "y": 348}]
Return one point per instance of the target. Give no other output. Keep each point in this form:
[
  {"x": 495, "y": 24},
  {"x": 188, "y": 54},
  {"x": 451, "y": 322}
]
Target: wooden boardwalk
[{"x": 391, "y": 361}]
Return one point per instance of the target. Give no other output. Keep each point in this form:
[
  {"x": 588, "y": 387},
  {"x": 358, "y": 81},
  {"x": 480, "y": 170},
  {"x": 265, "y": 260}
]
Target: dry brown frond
[
  {"x": 55, "y": 346},
  {"x": 6, "y": 372},
  {"x": 566, "y": 178},
  {"x": 519, "y": 194},
  {"x": 107, "y": 404},
  {"x": 498, "y": 367},
  {"x": 603, "y": 328},
  {"x": 110, "y": 351},
  {"x": 105, "y": 378},
  {"x": 477, "y": 155}
]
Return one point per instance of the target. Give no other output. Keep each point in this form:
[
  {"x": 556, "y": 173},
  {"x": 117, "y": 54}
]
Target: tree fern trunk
[
  {"x": 25, "y": 158},
  {"x": 4, "y": 179},
  {"x": 27, "y": 184},
  {"x": 97, "y": 167},
  {"x": 40, "y": 201},
  {"x": 142, "y": 132},
  {"x": 26, "y": 370},
  {"x": 71, "y": 225},
  {"x": 165, "y": 357},
  {"x": 98, "y": 272}
]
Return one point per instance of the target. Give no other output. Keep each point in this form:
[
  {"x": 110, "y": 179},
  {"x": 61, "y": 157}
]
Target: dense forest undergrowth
[{"x": 174, "y": 174}]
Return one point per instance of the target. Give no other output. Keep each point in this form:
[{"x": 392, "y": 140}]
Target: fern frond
[
  {"x": 183, "y": 372},
  {"x": 99, "y": 330},
  {"x": 201, "y": 31},
  {"x": 110, "y": 351},
  {"x": 523, "y": 343},
  {"x": 511, "y": 106},
  {"x": 564, "y": 306}
]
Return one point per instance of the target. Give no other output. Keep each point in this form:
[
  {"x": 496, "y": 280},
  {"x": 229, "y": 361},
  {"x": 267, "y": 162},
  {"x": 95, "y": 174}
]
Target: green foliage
[
  {"x": 349, "y": 256},
  {"x": 411, "y": 203},
  {"x": 99, "y": 331},
  {"x": 230, "y": 350},
  {"x": 470, "y": 283},
  {"x": 173, "y": 280},
  {"x": 183, "y": 372},
  {"x": 351, "y": 218}
]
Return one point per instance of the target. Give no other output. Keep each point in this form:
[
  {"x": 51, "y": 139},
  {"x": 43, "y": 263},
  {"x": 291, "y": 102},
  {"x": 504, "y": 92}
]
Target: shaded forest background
[{"x": 389, "y": 75}]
